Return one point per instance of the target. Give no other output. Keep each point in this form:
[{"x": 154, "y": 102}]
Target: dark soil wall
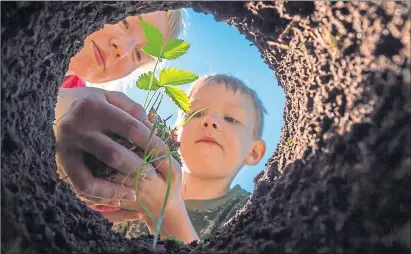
[{"x": 345, "y": 145}]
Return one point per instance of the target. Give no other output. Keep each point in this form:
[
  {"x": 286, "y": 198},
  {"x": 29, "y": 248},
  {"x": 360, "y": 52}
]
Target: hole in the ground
[
  {"x": 376, "y": 204},
  {"x": 117, "y": 57}
]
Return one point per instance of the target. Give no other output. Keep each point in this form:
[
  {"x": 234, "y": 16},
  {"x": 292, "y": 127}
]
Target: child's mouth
[{"x": 208, "y": 140}]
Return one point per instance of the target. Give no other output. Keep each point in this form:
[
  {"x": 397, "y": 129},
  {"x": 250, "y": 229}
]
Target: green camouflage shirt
[{"x": 205, "y": 215}]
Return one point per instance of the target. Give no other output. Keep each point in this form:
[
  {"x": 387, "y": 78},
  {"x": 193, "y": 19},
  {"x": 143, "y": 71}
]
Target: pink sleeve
[{"x": 73, "y": 82}]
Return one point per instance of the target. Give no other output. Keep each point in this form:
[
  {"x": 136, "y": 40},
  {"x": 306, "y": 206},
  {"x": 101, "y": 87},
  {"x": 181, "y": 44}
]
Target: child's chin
[
  {"x": 205, "y": 162},
  {"x": 208, "y": 146},
  {"x": 210, "y": 153}
]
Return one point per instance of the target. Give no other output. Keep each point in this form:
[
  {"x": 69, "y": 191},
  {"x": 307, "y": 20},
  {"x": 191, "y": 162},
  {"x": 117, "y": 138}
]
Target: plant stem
[
  {"x": 152, "y": 97},
  {"x": 160, "y": 218},
  {"x": 151, "y": 80}
]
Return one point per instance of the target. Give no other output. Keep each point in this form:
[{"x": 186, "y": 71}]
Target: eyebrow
[
  {"x": 232, "y": 105},
  {"x": 239, "y": 109}
]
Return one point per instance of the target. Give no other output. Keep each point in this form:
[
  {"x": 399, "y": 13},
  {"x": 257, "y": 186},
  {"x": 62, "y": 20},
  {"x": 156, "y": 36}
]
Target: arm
[
  {"x": 176, "y": 223},
  {"x": 152, "y": 189}
]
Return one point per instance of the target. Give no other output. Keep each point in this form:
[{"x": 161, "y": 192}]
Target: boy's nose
[
  {"x": 210, "y": 122},
  {"x": 122, "y": 47}
]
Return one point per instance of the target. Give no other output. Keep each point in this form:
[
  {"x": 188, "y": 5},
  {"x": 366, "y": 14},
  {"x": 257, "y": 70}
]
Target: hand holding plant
[
  {"x": 83, "y": 117},
  {"x": 158, "y": 189},
  {"x": 163, "y": 177}
]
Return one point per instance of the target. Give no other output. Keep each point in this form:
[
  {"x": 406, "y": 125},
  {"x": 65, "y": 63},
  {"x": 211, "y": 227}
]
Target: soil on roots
[
  {"x": 337, "y": 182},
  {"x": 100, "y": 169}
]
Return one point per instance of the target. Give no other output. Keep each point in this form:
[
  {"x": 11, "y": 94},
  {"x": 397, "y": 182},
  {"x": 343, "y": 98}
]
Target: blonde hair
[
  {"x": 175, "y": 23},
  {"x": 233, "y": 84}
]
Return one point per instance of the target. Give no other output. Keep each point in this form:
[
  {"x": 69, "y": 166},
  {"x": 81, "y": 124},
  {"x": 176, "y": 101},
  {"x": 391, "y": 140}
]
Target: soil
[
  {"x": 339, "y": 180},
  {"x": 99, "y": 169}
]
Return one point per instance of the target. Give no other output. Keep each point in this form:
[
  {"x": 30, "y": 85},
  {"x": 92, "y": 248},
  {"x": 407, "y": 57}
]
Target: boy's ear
[{"x": 256, "y": 153}]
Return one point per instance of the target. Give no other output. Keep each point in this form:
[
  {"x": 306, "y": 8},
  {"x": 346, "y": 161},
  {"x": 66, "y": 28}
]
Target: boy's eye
[
  {"x": 230, "y": 119},
  {"x": 186, "y": 116},
  {"x": 198, "y": 114}
]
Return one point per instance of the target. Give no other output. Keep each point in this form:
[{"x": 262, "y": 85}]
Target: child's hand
[{"x": 152, "y": 190}]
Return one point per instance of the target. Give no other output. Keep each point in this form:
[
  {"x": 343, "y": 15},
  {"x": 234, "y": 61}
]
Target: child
[{"x": 215, "y": 144}]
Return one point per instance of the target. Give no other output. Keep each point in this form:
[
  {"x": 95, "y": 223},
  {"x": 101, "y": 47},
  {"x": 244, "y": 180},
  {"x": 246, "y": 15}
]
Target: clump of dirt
[
  {"x": 100, "y": 169},
  {"x": 341, "y": 185}
]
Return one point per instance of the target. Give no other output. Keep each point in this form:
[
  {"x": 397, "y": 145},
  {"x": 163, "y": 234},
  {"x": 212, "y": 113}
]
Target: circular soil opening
[{"x": 337, "y": 182}]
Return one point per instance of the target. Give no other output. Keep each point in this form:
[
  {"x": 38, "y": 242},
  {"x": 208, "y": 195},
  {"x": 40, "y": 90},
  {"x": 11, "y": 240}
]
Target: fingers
[
  {"x": 95, "y": 201},
  {"x": 133, "y": 126},
  {"x": 122, "y": 124},
  {"x": 93, "y": 113},
  {"x": 105, "y": 117},
  {"x": 87, "y": 185},
  {"x": 122, "y": 216},
  {"x": 112, "y": 191},
  {"x": 123, "y": 102},
  {"x": 110, "y": 152},
  {"x": 127, "y": 180},
  {"x": 139, "y": 134},
  {"x": 167, "y": 163},
  {"x": 130, "y": 180}
]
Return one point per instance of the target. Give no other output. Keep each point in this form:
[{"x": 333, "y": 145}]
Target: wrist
[
  {"x": 175, "y": 210},
  {"x": 176, "y": 223}
]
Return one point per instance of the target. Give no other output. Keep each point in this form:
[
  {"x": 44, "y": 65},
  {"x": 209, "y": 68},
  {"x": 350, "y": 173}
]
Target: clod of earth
[
  {"x": 343, "y": 185},
  {"x": 99, "y": 169}
]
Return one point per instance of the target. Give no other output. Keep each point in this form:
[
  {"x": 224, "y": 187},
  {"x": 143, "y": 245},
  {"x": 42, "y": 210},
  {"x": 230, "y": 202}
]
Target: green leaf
[
  {"x": 143, "y": 82},
  {"x": 175, "y": 77},
  {"x": 175, "y": 48},
  {"x": 154, "y": 39},
  {"x": 179, "y": 97}
]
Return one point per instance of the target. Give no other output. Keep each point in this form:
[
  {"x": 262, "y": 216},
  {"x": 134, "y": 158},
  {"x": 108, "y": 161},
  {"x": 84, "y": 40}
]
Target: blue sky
[{"x": 218, "y": 48}]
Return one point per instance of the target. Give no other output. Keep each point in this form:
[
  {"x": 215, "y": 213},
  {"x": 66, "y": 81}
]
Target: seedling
[{"x": 167, "y": 82}]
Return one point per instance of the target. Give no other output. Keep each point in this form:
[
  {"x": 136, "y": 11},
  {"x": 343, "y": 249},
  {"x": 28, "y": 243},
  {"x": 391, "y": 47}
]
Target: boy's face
[{"x": 216, "y": 142}]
